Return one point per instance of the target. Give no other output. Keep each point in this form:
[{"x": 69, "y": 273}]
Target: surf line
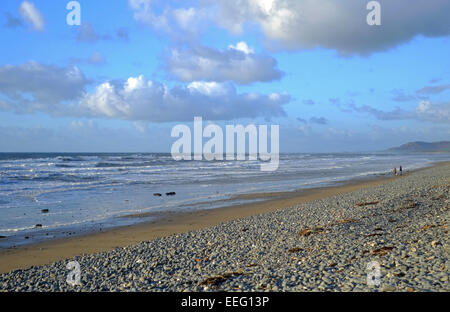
[{"x": 213, "y": 148}]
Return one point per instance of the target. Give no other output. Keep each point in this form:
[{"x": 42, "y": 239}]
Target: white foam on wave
[{"x": 100, "y": 191}]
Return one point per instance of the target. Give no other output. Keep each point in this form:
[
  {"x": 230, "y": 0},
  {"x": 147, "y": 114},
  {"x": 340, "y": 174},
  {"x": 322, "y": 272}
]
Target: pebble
[{"x": 417, "y": 261}]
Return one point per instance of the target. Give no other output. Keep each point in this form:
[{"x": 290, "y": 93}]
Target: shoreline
[
  {"x": 398, "y": 224},
  {"x": 175, "y": 223}
]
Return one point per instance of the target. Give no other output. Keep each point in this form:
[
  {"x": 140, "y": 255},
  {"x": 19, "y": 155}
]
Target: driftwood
[
  {"x": 382, "y": 251},
  {"x": 216, "y": 280},
  {"x": 367, "y": 203}
]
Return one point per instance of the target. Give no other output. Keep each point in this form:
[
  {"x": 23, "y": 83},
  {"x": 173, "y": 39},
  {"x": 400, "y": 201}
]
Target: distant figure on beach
[
  {"x": 395, "y": 171},
  {"x": 401, "y": 170}
]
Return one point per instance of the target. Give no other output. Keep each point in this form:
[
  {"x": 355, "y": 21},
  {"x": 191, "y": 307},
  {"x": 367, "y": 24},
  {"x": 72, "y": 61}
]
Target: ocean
[{"x": 92, "y": 191}]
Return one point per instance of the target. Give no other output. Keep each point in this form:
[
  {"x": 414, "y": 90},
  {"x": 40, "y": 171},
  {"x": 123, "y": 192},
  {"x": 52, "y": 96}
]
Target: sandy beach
[{"x": 315, "y": 239}]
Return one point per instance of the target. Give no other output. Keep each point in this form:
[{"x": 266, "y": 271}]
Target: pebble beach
[{"x": 400, "y": 226}]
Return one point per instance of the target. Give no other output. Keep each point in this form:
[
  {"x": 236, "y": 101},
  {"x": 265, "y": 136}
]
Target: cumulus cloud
[
  {"x": 33, "y": 87},
  {"x": 180, "y": 23},
  {"x": 145, "y": 100},
  {"x": 238, "y": 63},
  {"x": 243, "y": 47},
  {"x": 337, "y": 25},
  {"x": 304, "y": 24},
  {"x": 433, "y": 112},
  {"x": 298, "y": 24},
  {"x": 32, "y": 15}
]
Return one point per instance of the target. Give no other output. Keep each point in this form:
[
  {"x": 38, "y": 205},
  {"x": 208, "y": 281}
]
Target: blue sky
[{"x": 133, "y": 69}]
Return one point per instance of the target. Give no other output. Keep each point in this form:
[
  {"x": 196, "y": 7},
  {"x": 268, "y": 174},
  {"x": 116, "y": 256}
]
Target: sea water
[{"x": 91, "y": 192}]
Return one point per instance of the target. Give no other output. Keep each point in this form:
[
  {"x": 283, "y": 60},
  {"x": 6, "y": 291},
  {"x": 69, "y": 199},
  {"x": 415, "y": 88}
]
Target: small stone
[{"x": 388, "y": 288}]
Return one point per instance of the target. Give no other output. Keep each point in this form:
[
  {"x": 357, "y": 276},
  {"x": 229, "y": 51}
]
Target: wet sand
[{"x": 169, "y": 224}]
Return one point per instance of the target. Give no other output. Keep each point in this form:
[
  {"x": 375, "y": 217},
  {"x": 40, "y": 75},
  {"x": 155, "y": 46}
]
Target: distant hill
[{"x": 422, "y": 147}]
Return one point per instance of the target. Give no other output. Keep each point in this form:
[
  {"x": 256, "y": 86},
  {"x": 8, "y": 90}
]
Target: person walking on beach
[
  {"x": 401, "y": 170},
  {"x": 395, "y": 171}
]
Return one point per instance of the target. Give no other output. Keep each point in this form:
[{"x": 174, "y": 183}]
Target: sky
[{"x": 131, "y": 70}]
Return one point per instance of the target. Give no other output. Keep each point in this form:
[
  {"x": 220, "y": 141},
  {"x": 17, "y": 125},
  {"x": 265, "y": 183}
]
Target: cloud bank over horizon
[
  {"x": 313, "y": 66},
  {"x": 33, "y": 87}
]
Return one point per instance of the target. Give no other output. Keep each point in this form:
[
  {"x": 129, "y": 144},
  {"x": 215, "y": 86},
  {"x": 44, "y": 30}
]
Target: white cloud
[
  {"x": 423, "y": 107},
  {"x": 302, "y": 24},
  {"x": 32, "y": 15},
  {"x": 238, "y": 63},
  {"x": 337, "y": 25},
  {"x": 243, "y": 47},
  {"x": 437, "y": 112},
  {"x": 185, "y": 17},
  {"x": 145, "y": 100},
  {"x": 181, "y": 24},
  {"x": 33, "y": 87},
  {"x": 210, "y": 88}
]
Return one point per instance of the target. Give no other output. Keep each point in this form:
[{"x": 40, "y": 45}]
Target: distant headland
[{"x": 422, "y": 147}]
